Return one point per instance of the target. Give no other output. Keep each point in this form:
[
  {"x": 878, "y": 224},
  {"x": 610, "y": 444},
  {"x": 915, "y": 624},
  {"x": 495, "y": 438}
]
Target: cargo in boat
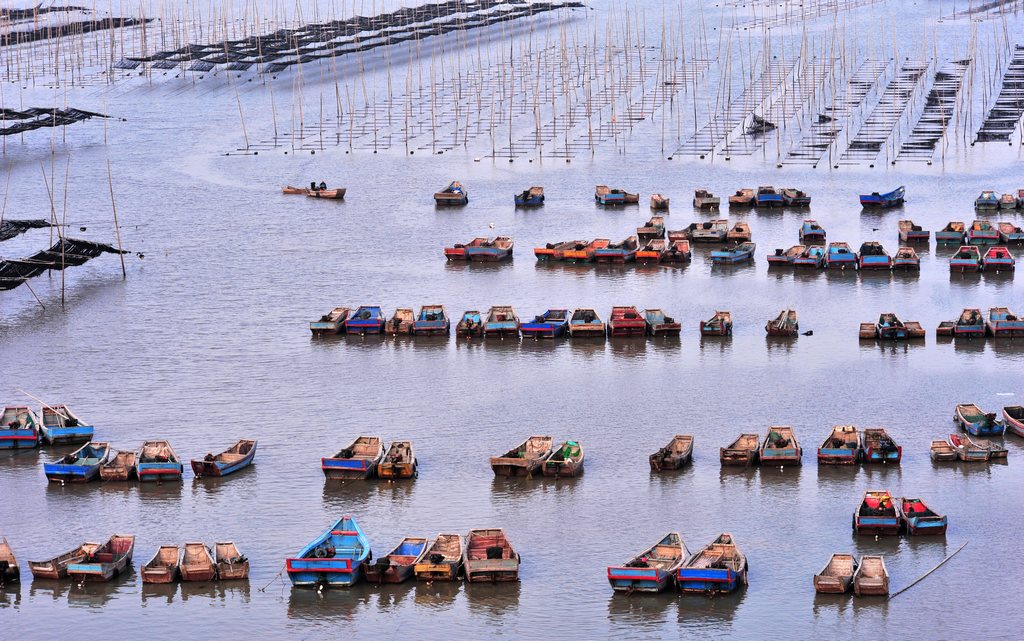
[
  {"x": 231, "y": 564},
  {"x": 501, "y": 321},
  {"x": 401, "y": 322},
  {"x": 358, "y": 460},
  {"x": 333, "y": 322},
  {"x": 432, "y": 321},
  {"x": 877, "y": 514},
  {"x": 524, "y": 459},
  {"x": 489, "y": 557},
  {"x": 952, "y": 233},
  {"x": 652, "y": 570},
  {"x": 367, "y": 319},
  {"x": 718, "y": 325},
  {"x": 704, "y": 199},
  {"x": 621, "y": 252},
  {"x": 718, "y": 568},
  {"x": 879, "y": 447},
  {"x": 785, "y": 257},
  {"x": 626, "y": 321},
  {"x": 965, "y": 259},
  {"x": 104, "y": 562},
  {"x": 564, "y": 461},
  {"x": 442, "y": 560},
  {"x": 81, "y": 466},
  {"x": 673, "y": 456},
  {"x": 660, "y": 324},
  {"x": 399, "y": 461},
  {"x": 919, "y": 519},
  {"x": 780, "y": 447},
  {"x": 453, "y": 194},
  {"x": 336, "y": 558},
  {"x": 235, "y": 458},
  {"x": 811, "y": 232},
  {"x": 553, "y": 323},
  {"x": 60, "y": 426},
  {"x": 156, "y": 461},
  {"x": 532, "y": 197},
  {"x": 840, "y": 256},
  {"x": 887, "y": 200},
  {"x": 974, "y": 421},
  {"x": 872, "y": 255},
  {"x": 912, "y": 233},
  {"x": 586, "y": 322},
  {"x": 785, "y": 324},
  {"x": 605, "y": 195},
  {"x": 906, "y": 258},
  {"x": 19, "y": 428},
  {"x": 841, "y": 447},
  {"x": 970, "y": 323},
  {"x": 399, "y": 564}
]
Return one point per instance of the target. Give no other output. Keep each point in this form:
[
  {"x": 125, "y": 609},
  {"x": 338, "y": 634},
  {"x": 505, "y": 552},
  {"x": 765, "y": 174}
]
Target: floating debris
[
  {"x": 11, "y": 228},
  {"x": 66, "y": 252},
  {"x": 39, "y": 117}
]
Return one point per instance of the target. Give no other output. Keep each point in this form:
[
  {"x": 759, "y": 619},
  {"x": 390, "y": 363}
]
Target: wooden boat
[
  {"x": 969, "y": 324},
  {"x": 879, "y": 447},
  {"x": 659, "y": 202},
  {"x": 840, "y": 256},
  {"x": 553, "y": 323},
  {"x": 792, "y": 197},
  {"x": 742, "y": 198},
  {"x": 399, "y": 462},
  {"x": 718, "y": 325},
  {"x": 975, "y": 422},
  {"x": 911, "y": 233},
  {"x": 432, "y": 321},
  {"x": 357, "y": 461},
  {"x": 156, "y": 461},
  {"x": 673, "y": 456},
  {"x": 330, "y": 194},
  {"x": 397, "y": 565},
  {"x": 585, "y": 322},
  {"x": 837, "y": 575},
  {"x": 532, "y": 197},
  {"x": 626, "y": 321},
  {"x": 235, "y": 458},
  {"x": 982, "y": 232},
  {"x": 704, "y": 199},
  {"x": 367, "y": 319},
  {"x": 585, "y": 254},
  {"x": 605, "y": 195},
  {"x": 742, "y": 451},
  {"x": 941, "y": 451},
  {"x": 966, "y": 259},
  {"x": 780, "y": 447},
  {"x": 231, "y": 564},
  {"x": 524, "y": 459},
  {"x": 841, "y": 447},
  {"x": 621, "y": 252},
  {"x": 564, "y": 461},
  {"x": 739, "y": 233},
  {"x": 501, "y": 321},
  {"x": 81, "y": 466},
  {"x": 997, "y": 259},
  {"x": 718, "y": 567},
  {"x": 400, "y": 324},
  {"x": 556, "y": 251},
  {"x": 767, "y": 196},
  {"x": 986, "y": 200},
  {"x": 294, "y": 191},
  {"x": 785, "y": 257},
  {"x": 458, "y": 250},
  {"x": 654, "y": 228},
  {"x": 742, "y": 253},
  {"x": 887, "y": 200},
  {"x": 104, "y": 562},
  {"x": 890, "y": 327},
  {"x": 785, "y": 324},
  {"x": 119, "y": 468},
  {"x": 678, "y": 252},
  {"x": 967, "y": 450},
  {"x": 9, "y": 570},
  {"x": 19, "y": 428},
  {"x": 197, "y": 563},
  {"x": 906, "y": 258},
  {"x": 712, "y": 231},
  {"x": 813, "y": 257},
  {"x": 493, "y": 250},
  {"x": 652, "y": 252},
  {"x": 1020, "y": 199},
  {"x": 57, "y": 567},
  {"x": 1010, "y": 233},
  {"x": 811, "y": 232},
  {"x": 333, "y": 322},
  {"x": 489, "y": 557},
  {"x": 163, "y": 567},
  {"x": 652, "y": 570},
  {"x": 442, "y": 561},
  {"x": 1013, "y": 417},
  {"x": 877, "y": 514},
  {"x": 952, "y": 233},
  {"x": 660, "y": 324},
  {"x": 60, "y": 426},
  {"x": 336, "y": 558},
  {"x": 452, "y": 195},
  {"x": 1007, "y": 201},
  {"x": 873, "y": 256},
  {"x": 919, "y": 519},
  {"x": 471, "y": 324},
  {"x": 995, "y": 450},
  {"x": 871, "y": 577}
]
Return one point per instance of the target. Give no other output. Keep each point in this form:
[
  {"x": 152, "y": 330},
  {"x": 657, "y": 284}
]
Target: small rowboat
[
  {"x": 197, "y": 563},
  {"x": 9, "y": 570},
  {"x": 104, "y": 562},
  {"x": 60, "y": 425},
  {"x": 795, "y": 198},
  {"x": 997, "y": 259},
  {"x": 837, "y": 575},
  {"x": 329, "y": 194},
  {"x": 877, "y": 514},
  {"x": 780, "y": 447},
  {"x": 357, "y": 461},
  {"x": 890, "y": 327},
  {"x": 742, "y": 198},
  {"x": 57, "y": 567},
  {"x": 231, "y": 564},
  {"x": 918, "y": 518},
  {"x": 652, "y": 252},
  {"x": 767, "y": 196},
  {"x": 1007, "y": 201},
  {"x": 704, "y": 199},
  {"x": 970, "y": 323},
  {"x": 982, "y": 232},
  {"x": 718, "y": 325},
  {"x": 995, "y": 450},
  {"x": 952, "y": 233},
  {"x": 652, "y": 570},
  {"x": 842, "y": 447},
  {"x": 367, "y": 319},
  {"x": 1013, "y": 417},
  {"x": 659, "y": 202},
  {"x": 872, "y": 255},
  {"x": 119, "y": 468},
  {"x": 397, "y": 565},
  {"x": 235, "y": 458},
  {"x": 941, "y": 451},
  {"x": 333, "y": 322},
  {"x": 556, "y": 251},
  {"x": 585, "y": 253},
  {"x": 678, "y": 252},
  {"x": 452, "y": 195},
  {"x": 489, "y": 557},
  {"x": 673, "y": 456},
  {"x": 163, "y": 567},
  {"x": 400, "y": 324},
  {"x": 840, "y": 256},
  {"x": 605, "y": 195},
  {"x": 811, "y": 232},
  {"x": 654, "y": 228},
  {"x": 564, "y": 461},
  {"x": 742, "y": 451},
  {"x": 785, "y": 257},
  {"x": 553, "y": 323},
  {"x": 532, "y": 197},
  {"x": 294, "y": 191},
  {"x": 967, "y": 450},
  {"x": 741, "y": 253},
  {"x": 887, "y": 200},
  {"x": 813, "y": 257},
  {"x": 399, "y": 462},
  {"x": 785, "y": 324},
  {"x": 442, "y": 561},
  {"x": 19, "y": 428},
  {"x": 336, "y": 558},
  {"x": 585, "y": 322},
  {"x": 432, "y": 321},
  {"x": 965, "y": 259},
  {"x": 719, "y": 567},
  {"x": 1010, "y": 233},
  {"x": 879, "y": 447},
  {"x": 871, "y": 578},
  {"x": 974, "y": 421},
  {"x": 156, "y": 461},
  {"x": 492, "y": 250},
  {"x": 906, "y": 258},
  {"x": 1002, "y": 321},
  {"x": 524, "y": 459},
  {"x": 471, "y": 324},
  {"x": 660, "y": 324},
  {"x": 621, "y": 252},
  {"x": 626, "y": 321},
  {"x": 81, "y": 466},
  {"x": 501, "y": 321},
  {"x": 712, "y": 231},
  {"x": 911, "y": 233},
  {"x": 458, "y": 251},
  {"x": 986, "y": 200}
]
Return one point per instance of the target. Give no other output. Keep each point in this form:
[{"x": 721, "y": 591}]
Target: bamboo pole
[{"x": 117, "y": 228}]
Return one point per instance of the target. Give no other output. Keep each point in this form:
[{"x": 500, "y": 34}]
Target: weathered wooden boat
[
  {"x": 57, "y": 567},
  {"x": 792, "y": 197},
  {"x": 837, "y": 575},
  {"x": 780, "y": 447},
  {"x": 997, "y": 259},
  {"x": 742, "y": 451},
  {"x": 163, "y": 567},
  {"x": 711, "y": 231},
  {"x": 660, "y": 324},
  {"x": 231, "y": 564},
  {"x": 785, "y": 257},
  {"x": 767, "y": 196},
  {"x": 986, "y": 200},
  {"x": 785, "y": 324},
  {"x": 879, "y": 447},
  {"x": 621, "y": 252},
  {"x": 401, "y": 322},
  {"x": 654, "y": 228},
  {"x": 399, "y": 462},
  {"x": 841, "y": 447},
  {"x": 673, "y": 456},
  {"x": 1010, "y": 233},
  {"x": 458, "y": 250},
  {"x": 60, "y": 425},
  {"x": 906, "y": 258},
  {"x": 970, "y": 323},
  {"x": 524, "y": 459},
  {"x": 532, "y": 197},
  {"x": 501, "y": 321},
  {"x": 739, "y": 233},
  {"x": 471, "y": 324},
  {"x": 358, "y": 460},
  {"x": 919, "y": 519},
  {"x": 453, "y": 194},
  {"x": 9, "y": 570},
  {"x": 887, "y": 200},
  {"x": 718, "y": 325},
  {"x": 329, "y": 194},
  {"x": 586, "y": 322},
  {"x": 104, "y": 562},
  {"x": 367, "y": 319},
  {"x": 742, "y": 253},
  {"x": 877, "y": 514},
  {"x": 678, "y": 252},
  {"x": 197, "y": 563},
  {"x": 890, "y": 327},
  {"x": 556, "y": 251},
  {"x": 840, "y": 256},
  {"x": 995, "y": 450},
  {"x": 652, "y": 252},
  {"x": 742, "y": 198},
  {"x": 718, "y": 567},
  {"x": 333, "y": 322},
  {"x": 553, "y": 323},
  {"x": 952, "y": 233},
  {"x": 156, "y": 461},
  {"x": 493, "y": 250},
  {"x": 652, "y": 570},
  {"x": 871, "y": 577},
  {"x": 872, "y": 255},
  {"x": 1013, "y": 417},
  {"x": 911, "y": 233},
  {"x": 120, "y": 467},
  {"x": 974, "y": 421},
  {"x": 1007, "y": 201},
  {"x": 967, "y": 450},
  {"x": 982, "y": 232},
  {"x": 432, "y": 321},
  {"x": 813, "y": 257},
  {"x": 81, "y": 466},
  {"x": 397, "y": 565},
  {"x": 965, "y": 259},
  {"x": 566, "y": 460},
  {"x": 336, "y": 558},
  {"x": 19, "y": 428},
  {"x": 811, "y": 232},
  {"x": 626, "y": 321},
  {"x": 704, "y": 199},
  {"x": 659, "y": 202},
  {"x": 236, "y": 457},
  {"x": 605, "y": 195},
  {"x": 585, "y": 253},
  {"x": 288, "y": 190},
  {"x": 442, "y": 561},
  {"x": 489, "y": 557},
  {"x": 942, "y": 452}
]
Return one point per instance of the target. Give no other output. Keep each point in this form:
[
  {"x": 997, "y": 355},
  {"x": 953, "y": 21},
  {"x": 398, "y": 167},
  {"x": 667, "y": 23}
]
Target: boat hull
[
  {"x": 444, "y": 571},
  {"x": 64, "y": 473},
  {"x": 710, "y": 580},
  {"x": 330, "y": 572},
  {"x": 348, "y": 469},
  {"x": 626, "y": 579},
  {"x": 67, "y": 435},
  {"x": 888, "y": 525},
  {"x": 18, "y": 439},
  {"x": 159, "y": 471},
  {"x": 838, "y": 456}
]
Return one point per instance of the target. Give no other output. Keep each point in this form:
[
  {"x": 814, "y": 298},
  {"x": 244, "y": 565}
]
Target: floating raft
[
  {"x": 66, "y": 252},
  {"x": 11, "y": 228},
  {"x": 39, "y": 117}
]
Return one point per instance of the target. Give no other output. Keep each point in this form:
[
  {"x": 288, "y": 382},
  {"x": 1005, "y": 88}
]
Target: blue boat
[
  {"x": 987, "y": 200},
  {"x": 433, "y": 320},
  {"x": 156, "y": 461},
  {"x": 876, "y": 514},
  {"x": 532, "y": 197},
  {"x": 966, "y": 259},
  {"x": 843, "y": 446},
  {"x": 739, "y": 254},
  {"x": 876, "y": 200},
  {"x": 653, "y": 569},
  {"x": 811, "y": 256},
  {"x": 1003, "y": 322},
  {"x": 237, "y": 457},
  {"x": 501, "y": 321},
  {"x": 719, "y": 567},
  {"x": 335, "y": 558},
  {"x": 60, "y": 425},
  {"x": 873, "y": 256},
  {"x": 840, "y": 255},
  {"x": 973, "y": 420},
  {"x": 551, "y": 324},
  {"x": 768, "y": 196},
  {"x": 80, "y": 466},
  {"x": 811, "y": 232},
  {"x": 919, "y": 519},
  {"x": 623, "y": 252},
  {"x": 368, "y": 319},
  {"x": 19, "y": 428},
  {"x": 491, "y": 250}
]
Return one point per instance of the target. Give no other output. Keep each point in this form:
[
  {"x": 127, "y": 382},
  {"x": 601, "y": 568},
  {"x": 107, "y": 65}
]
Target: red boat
[
  {"x": 458, "y": 252},
  {"x": 627, "y": 321}
]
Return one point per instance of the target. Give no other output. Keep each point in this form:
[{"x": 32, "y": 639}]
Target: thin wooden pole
[
  {"x": 925, "y": 575},
  {"x": 117, "y": 228}
]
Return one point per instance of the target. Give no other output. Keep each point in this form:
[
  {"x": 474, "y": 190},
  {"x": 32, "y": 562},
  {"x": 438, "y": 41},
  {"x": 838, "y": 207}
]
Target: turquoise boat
[
  {"x": 719, "y": 567},
  {"x": 336, "y": 558},
  {"x": 61, "y": 425},
  {"x": 80, "y": 466},
  {"x": 19, "y": 428},
  {"x": 653, "y": 569},
  {"x": 156, "y": 461}
]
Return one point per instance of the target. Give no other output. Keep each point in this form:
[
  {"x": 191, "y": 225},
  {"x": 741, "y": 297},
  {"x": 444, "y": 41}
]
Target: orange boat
[{"x": 586, "y": 253}]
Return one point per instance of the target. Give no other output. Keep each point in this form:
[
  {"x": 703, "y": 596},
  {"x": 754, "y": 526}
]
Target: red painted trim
[
  {"x": 344, "y": 533},
  {"x": 15, "y": 437},
  {"x": 158, "y": 472}
]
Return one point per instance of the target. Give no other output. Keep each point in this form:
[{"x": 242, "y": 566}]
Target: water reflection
[
  {"x": 46, "y": 587},
  {"x": 390, "y": 596},
  {"x": 709, "y": 613},
  {"x": 462, "y": 266},
  {"x": 10, "y": 595},
  {"x": 331, "y": 605},
  {"x": 493, "y": 600},
  {"x": 160, "y": 492},
  {"x": 349, "y": 496},
  {"x": 892, "y": 348},
  {"x": 242, "y": 480},
  {"x": 95, "y": 595},
  {"x": 158, "y": 593},
  {"x": 641, "y": 611},
  {"x": 733, "y": 476},
  {"x": 634, "y": 347},
  {"x": 436, "y": 595}
]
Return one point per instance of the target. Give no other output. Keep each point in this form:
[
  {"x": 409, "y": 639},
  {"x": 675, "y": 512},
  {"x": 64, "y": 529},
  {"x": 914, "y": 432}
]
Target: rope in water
[{"x": 923, "y": 576}]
